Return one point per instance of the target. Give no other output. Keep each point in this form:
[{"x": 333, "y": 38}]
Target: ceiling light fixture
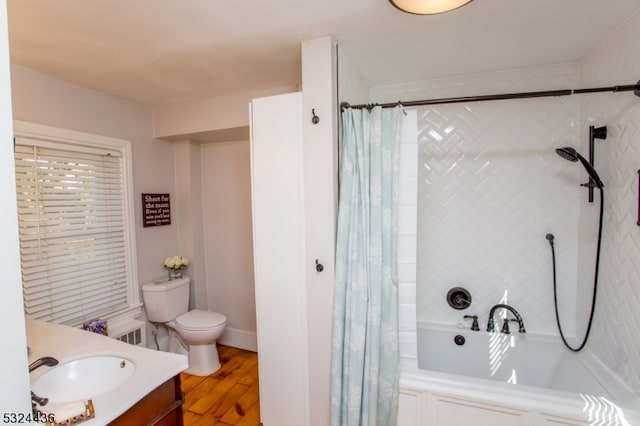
[{"x": 428, "y": 7}]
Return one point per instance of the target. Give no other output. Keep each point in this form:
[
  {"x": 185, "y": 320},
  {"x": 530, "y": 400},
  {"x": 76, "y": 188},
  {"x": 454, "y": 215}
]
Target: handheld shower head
[
  {"x": 568, "y": 153},
  {"x": 571, "y": 154}
]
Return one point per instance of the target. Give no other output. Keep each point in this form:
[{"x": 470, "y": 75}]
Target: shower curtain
[{"x": 365, "y": 370}]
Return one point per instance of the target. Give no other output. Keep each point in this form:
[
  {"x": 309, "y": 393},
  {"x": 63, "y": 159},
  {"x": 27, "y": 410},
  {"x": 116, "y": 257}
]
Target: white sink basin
[{"x": 83, "y": 378}]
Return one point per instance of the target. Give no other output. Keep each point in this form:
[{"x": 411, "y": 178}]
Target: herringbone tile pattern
[
  {"x": 490, "y": 188},
  {"x": 616, "y": 333}
]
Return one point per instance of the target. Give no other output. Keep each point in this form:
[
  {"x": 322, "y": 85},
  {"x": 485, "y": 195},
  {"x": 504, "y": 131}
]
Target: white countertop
[{"x": 67, "y": 343}]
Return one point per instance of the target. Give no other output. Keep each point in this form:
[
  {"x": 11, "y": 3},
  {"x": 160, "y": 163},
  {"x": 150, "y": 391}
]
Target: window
[{"x": 75, "y": 224}]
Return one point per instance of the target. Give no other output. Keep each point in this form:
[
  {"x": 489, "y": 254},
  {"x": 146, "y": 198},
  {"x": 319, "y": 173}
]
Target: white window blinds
[{"x": 72, "y": 230}]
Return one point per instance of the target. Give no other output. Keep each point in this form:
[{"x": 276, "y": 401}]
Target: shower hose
[{"x": 595, "y": 283}]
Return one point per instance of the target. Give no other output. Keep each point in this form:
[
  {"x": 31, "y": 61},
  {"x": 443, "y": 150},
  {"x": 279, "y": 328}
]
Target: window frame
[{"x": 73, "y": 138}]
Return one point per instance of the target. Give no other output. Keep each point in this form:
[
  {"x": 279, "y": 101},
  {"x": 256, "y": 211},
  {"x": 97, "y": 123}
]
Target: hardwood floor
[{"x": 227, "y": 397}]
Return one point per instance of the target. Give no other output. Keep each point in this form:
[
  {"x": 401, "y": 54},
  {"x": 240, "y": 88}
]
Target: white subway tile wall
[
  {"x": 616, "y": 331},
  {"x": 407, "y": 235},
  {"x": 490, "y": 187}
]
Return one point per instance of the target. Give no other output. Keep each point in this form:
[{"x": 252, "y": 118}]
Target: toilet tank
[{"x": 165, "y": 300}]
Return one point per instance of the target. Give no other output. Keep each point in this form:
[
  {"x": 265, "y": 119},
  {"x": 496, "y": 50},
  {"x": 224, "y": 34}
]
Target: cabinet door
[{"x": 277, "y": 181}]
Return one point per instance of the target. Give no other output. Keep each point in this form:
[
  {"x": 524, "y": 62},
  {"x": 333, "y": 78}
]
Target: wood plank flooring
[{"x": 227, "y": 397}]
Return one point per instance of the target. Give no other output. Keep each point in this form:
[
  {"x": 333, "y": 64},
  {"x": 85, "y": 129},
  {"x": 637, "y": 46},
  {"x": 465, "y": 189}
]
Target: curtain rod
[{"x": 524, "y": 95}]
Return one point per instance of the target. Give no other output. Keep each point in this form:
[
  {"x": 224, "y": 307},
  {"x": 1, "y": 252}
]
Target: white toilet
[{"x": 193, "y": 333}]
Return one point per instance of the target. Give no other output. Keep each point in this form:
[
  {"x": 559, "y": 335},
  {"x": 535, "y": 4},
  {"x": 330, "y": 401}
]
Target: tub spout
[
  {"x": 45, "y": 360},
  {"x": 491, "y": 323}
]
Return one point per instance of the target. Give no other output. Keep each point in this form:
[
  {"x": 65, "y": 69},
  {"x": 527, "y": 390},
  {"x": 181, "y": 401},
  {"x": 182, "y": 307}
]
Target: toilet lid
[{"x": 198, "y": 320}]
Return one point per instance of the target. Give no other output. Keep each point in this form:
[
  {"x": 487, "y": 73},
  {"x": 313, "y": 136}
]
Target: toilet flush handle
[{"x": 319, "y": 266}]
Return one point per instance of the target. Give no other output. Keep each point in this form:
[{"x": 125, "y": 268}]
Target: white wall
[
  {"x": 220, "y": 116},
  {"x": 209, "y": 185},
  {"x": 14, "y": 396},
  {"x": 351, "y": 86},
  {"x": 227, "y": 233},
  {"x": 43, "y": 99},
  {"x": 213, "y": 193},
  {"x": 319, "y": 93},
  {"x": 407, "y": 235},
  {"x": 189, "y": 219},
  {"x": 616, "y": 331},
  {"x": 490, "y": 188}
]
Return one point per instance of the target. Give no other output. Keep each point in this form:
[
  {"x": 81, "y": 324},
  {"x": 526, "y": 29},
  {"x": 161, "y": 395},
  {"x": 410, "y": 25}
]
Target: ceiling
[{"x": 159, "y": 52}]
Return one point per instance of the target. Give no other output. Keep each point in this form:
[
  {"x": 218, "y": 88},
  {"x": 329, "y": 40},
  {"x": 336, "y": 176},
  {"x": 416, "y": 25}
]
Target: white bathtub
[{"x": 518, "y": 379}]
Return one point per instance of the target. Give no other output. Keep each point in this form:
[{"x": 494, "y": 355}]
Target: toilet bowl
[
  {"x": 192, "y": 333},
  {"x": 200, "y": 331}
]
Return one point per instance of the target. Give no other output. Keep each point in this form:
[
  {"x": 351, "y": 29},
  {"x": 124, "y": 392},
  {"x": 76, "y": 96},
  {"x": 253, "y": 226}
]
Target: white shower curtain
[{"x": 365, "y": 370}]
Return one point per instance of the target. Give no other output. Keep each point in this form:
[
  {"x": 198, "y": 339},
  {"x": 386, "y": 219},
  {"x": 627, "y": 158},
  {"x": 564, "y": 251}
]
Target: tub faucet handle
[
  {"x": 505, "y": 326},
  {"x": 474, "y": 324}
]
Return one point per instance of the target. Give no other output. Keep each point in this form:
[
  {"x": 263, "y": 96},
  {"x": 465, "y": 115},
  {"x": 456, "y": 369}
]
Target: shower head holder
[
  {"x": 598, "y": 132},
  {"x": 572, "y": 155}
]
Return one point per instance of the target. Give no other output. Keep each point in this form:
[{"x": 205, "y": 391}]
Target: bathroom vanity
[
  {"x": 127, "y": 384},
  {"x": 161, "y": 407}
]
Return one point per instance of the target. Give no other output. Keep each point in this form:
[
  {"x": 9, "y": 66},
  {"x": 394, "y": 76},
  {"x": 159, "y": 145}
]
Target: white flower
[{"x": 176, "y": 262}]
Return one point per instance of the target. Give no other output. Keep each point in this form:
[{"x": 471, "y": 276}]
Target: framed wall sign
[{"x": 156, "y": 209}]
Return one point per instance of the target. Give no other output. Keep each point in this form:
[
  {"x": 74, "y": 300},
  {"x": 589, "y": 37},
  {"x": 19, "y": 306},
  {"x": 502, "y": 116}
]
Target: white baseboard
[{"x": 242, "y": 339}]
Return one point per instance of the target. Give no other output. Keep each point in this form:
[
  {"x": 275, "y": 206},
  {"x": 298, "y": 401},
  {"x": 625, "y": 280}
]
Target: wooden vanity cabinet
[{"x": 161, "y": 407}]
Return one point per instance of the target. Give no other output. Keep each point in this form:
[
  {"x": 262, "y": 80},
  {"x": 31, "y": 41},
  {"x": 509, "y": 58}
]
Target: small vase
[{"x": 174, "y": 273}]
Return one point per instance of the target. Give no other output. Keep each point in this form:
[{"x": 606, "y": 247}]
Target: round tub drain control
[{"x": 459, "y": 339}]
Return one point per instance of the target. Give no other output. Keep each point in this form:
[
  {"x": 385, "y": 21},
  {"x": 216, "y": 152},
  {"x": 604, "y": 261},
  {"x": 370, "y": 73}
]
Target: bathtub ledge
[{"x": 538, "y": 401}]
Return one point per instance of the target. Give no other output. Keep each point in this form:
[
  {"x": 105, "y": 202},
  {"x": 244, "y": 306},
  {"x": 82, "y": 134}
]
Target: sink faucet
[
  {"x": 35, "y": 399},
  {"x": 45, "y": 360},
  {"x": 39, "y": 399},
  {"x": 505, "y": 329}
]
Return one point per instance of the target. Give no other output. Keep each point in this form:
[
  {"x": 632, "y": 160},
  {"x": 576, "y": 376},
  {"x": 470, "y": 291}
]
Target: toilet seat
[{"x": 200, "y": 320}]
